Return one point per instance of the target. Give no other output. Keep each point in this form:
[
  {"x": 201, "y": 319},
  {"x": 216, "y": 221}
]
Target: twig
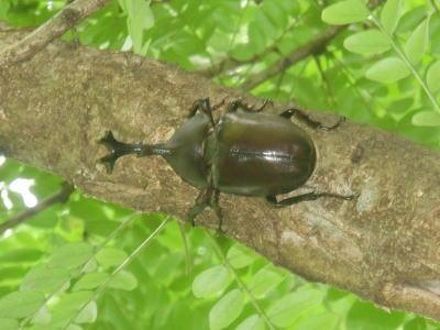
[
  {"x": 30, "y": 45},
  {"x": 127, "y": 261},
  {"x": 314, "y": 46},
  {"x": 229, "y": 63},
  {"x": 59, "y": 197}
]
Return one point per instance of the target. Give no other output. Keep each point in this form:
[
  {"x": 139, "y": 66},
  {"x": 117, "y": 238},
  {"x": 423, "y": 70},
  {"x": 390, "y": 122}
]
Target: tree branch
[
  {"x": 314, "y": 46},
  {"x": 383, "y": 246},
  {"x": 59, "y": 197},
  {"x": 52, "y": 29}
]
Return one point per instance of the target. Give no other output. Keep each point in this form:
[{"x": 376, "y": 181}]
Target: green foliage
[
  {"x": 345, "y": 12},
  {"x": 77, "y": 265}
]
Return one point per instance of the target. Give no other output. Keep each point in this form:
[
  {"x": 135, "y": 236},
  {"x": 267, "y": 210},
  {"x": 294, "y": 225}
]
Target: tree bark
[{"x": 384, "y": 246}]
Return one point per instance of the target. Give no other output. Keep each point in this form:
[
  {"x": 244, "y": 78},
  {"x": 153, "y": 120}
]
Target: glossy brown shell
[{"x": 260, "y": 154}]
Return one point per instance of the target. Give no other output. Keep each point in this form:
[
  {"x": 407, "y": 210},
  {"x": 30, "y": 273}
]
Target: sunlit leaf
[
  {"x": 390, "y": 15},
  {"x": 240, "y": 256},
  {"x": 285, "y": 311},
  {"x": 88, "y": 314},
  {"x": 388, "y": 70},
  {"x": 44, "y": 279},
  {"x": 211, "y": 282},
  {"x": 9, "y": 324},
  {"x": 123, "y": 280},
  {"x": 20, "y": 304},
  {"x": 226, "y": 310},
  {"x": 368, "y": 42},
  {"x": 426, "y": 118},
  {"x": 253, "y": 322},
  {"x": 90, "y": 281},
  {"x": 109, "y": 257},
  {"x": 71, "y": 255},
  {"x": 264, "y": 281},
  {"x": 345, "y": 12},
  {"x": 417, "y": 43},
  {"x": 69, "y": 306},
  {"x": 433, "y": 77}
]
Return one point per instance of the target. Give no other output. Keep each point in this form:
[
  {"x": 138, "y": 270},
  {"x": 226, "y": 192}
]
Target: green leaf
[
  {"x": 240, "y": 256},
  {"x": 71, "y": 255},
  {"x": 211, "y": 282},
  {"x": 109, "y": 257},
  {"x": 226, "y": 310},
  {"x": 9, "y": 324},
  {"x": 417, "y": 323},
  {"x": 288, "y": 309},
  {"x": 345, "y": 12},
  {"x": 388, "y": 70},
  {"x": 68, "y": 306},
  {"x": 253, "y": 322},
  {"x": 390, "y": 15},
  {"x": 140, "y": 18},
  {"x": 367, "y": 43},
  {"x": 318, "y": 318},
  {"x": 90, "y": 281},
  {"x": 123, "y": 280},
  {"x": 88, "y": 314},
  {"x": 417, "y": 43},
  {"x": 433, "y": 77},
  {"x": 365, "y": 316},
  {"x": 264, "y": 281},
  {"x": 426, "y": 118},
  {"x": 20, "y": 304},
  {"x": 44, "y": 279}
]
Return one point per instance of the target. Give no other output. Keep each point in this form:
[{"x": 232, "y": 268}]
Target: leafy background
[{"x": 88, "y": 264}]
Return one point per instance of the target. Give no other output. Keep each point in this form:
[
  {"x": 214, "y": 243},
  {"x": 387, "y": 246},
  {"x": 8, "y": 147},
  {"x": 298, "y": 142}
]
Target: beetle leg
[
  {"x": 202, "y": 201},
  {"x": 239, "y": 104},
  {"x": 303, "y": 117},
  {"x": 208, "y": 197},
  {"x": 305, "y": 197},
  {"x": 204, "y": 106},
  {"x": 216, "y": 207}
]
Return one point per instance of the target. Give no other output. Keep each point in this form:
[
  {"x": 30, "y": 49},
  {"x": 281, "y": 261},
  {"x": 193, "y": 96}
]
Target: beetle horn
[{"x": 118, "y": 149}]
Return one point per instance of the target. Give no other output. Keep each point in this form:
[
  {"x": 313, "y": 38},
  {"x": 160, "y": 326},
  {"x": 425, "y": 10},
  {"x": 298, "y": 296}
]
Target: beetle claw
[
  {"x": 109, "y": 162},
  {"x": 111, "y": 144}
]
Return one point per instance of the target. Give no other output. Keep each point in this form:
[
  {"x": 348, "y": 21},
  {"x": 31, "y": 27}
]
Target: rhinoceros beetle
[{"x": 244, "y": 152}]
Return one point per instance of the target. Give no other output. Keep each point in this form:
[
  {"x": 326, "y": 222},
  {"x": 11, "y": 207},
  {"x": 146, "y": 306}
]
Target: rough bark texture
[{"x": 384, "y": 246}]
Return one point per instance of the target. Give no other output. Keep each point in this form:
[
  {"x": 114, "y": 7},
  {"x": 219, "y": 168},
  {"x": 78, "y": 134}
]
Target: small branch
[
  {"x": 230, "y": 63},
  {"x": 59, "y": 197},
  {"x": 52, "y": 29},
  {"x": 313, "y": 47}
]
